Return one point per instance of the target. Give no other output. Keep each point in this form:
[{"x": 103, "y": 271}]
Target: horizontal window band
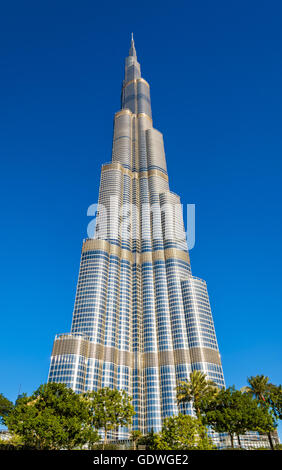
[
  {"x": 130, "y": 113},
  {"x": 69, "y": 344},
  {"x": 134, "y": 174},
  {"x": 135, "y": 80},
  {"x": 138, "y": 258}
]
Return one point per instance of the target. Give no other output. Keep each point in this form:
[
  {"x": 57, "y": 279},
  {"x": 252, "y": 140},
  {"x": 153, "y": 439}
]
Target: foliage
[
  {"x": 110, "y": 408},
  {"x": 183, "y": 432},
  {"x": 258, "y": 386},
  {"x": 150, "y": 440},
  {"x": 6, "y": 407},
  {"x": 196, "y": 389},
  {"x": 109, "y": 446},
  {"x": 54, "y": 417},
  {"x": 235, "y": 412},
  {"x": 135, "y": 437},
  {"x": 274, "y": 399},
  {"x": 269, "y": 397}
]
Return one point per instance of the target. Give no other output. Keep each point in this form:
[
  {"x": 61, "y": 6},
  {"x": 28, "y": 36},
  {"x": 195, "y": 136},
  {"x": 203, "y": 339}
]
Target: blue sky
[{"x": 215, "y": 75}]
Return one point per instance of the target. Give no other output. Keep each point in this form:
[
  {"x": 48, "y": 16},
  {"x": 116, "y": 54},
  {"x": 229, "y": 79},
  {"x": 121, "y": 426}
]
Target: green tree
[
  {"x": 135, "y": 437},
  {"x": 195, "y": 390},
  {"x": 234, "y": 412},
  {"x": 110, "y": 409},
  {"x": 183, "y": 432},
  {"x": 260, "y": 388},
  {"x": 150, "y": 440},
  {"x": 53, "y": 417},
  {"x": 6, "y": 407},
  {"x": 275, "y": 400}
]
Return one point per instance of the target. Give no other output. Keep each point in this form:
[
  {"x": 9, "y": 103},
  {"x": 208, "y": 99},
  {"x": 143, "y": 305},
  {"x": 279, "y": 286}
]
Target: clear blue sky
[{"x": 215, "y": 74}]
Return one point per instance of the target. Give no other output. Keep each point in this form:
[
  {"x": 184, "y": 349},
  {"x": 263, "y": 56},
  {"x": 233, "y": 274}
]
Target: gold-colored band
[
  {"x": 205, "y": 355},
  {"x": 127, "y": 111},
  {"x": 135, "y": 80},
  {"x": 138, "y": 258},
  {"x": 111, "y": 249},
  {"x": 88, "y": 349},
  {"x": 134, "y": 174},
  {"x": 141, "y": 115},
  {"x": 122, "y": 112}
]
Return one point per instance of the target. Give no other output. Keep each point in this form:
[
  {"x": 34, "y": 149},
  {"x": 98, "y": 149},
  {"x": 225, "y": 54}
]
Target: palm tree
[
  {"x": 259, "y": 387},
  {"x": 197, "y": 388}
]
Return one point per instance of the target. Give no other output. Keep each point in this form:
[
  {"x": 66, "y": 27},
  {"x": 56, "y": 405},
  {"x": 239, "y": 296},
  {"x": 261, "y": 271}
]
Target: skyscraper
[{"x": 141, "y": 320}]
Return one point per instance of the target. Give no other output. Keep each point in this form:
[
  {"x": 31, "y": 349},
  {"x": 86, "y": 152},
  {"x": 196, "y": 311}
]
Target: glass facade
[{"x": 141, "y": 321}]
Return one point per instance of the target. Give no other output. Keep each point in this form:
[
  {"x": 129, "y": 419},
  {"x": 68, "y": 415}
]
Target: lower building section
[
  {"x": 150, "y": 378},
  {"x": 141, "y": 323}
]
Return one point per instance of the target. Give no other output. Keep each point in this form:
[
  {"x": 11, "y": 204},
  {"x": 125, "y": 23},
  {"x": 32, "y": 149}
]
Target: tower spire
[{"x": 132, "y": 50}]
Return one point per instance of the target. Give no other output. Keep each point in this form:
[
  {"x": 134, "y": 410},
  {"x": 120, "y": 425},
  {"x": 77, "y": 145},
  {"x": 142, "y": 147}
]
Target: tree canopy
[
  {"x": 275, "y": 400},
  {"x": 269, "y": 397},
  {"x": 6, "y": 407},
  {"x": 183, "y": 432},
  {"x": 235, "y": 412},
  {"x": 110, "y": 409},
  {"x": 53, "y": 417},
  {"x": 196, "y": 389}
]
